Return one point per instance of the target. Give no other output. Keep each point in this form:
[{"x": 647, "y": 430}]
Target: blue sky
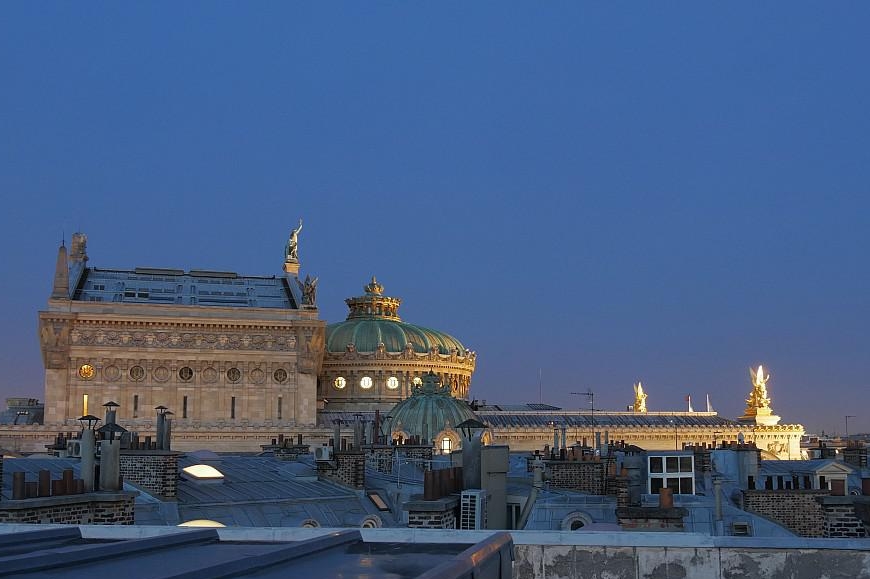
[{"x": 602, "y": 192}]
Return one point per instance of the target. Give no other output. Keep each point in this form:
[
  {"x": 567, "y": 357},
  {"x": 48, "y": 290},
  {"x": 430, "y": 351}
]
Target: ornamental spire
[{"x": 60, "y": 289}]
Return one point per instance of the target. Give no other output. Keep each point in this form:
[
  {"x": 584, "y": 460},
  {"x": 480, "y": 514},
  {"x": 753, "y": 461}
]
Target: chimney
[{"x": 88, "y": 449}]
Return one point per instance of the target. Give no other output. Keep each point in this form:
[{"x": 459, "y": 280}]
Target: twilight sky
[{"x": 604, "y": 192}]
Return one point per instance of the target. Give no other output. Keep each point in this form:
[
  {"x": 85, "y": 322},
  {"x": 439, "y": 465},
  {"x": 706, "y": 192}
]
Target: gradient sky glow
[{"x": 606, "y": 192}]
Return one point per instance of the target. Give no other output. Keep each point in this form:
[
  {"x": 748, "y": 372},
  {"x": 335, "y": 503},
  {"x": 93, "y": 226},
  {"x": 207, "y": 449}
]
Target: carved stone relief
[
  {"x": 163, "y": 339},
  {"x": 111, "y": 373},
  {"x": 161, "y": 374}
]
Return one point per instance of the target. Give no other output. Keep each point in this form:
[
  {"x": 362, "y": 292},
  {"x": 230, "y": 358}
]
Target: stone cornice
[
  {"x": 179, "y": 323},
  {"x": 170, "y": 311},
  {"x": 353, "y": 357}
]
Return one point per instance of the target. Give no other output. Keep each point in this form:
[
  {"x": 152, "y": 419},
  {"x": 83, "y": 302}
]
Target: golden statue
[
  {"x": 758, "y": 398},
  {"x": 639, "y": 398},
  {"x": 758, "y": 408}
]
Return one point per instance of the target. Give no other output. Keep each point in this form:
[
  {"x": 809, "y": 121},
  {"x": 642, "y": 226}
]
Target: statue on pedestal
[
  {"x": 639, "y": 398},
  {"x": 291, "y": 251},
  {"x": 758, "y": 398}
]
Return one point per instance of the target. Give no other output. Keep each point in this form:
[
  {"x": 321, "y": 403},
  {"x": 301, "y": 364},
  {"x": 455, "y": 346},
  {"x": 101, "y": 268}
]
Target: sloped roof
[{"x": 175, "y": 286}]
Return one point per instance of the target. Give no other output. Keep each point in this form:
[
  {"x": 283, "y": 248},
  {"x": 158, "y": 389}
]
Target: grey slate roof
[
  {"x": 260, "y": 491},
  {"x": 799, "y": 466},
  {"x": 602, "y": 419},
  {"x": 175, "y": 286},
  {"x": 581, "y": 419}
]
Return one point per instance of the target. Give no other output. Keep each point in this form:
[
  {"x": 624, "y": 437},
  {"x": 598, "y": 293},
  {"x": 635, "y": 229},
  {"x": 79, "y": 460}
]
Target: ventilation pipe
[{"x": 88, "y": 448}]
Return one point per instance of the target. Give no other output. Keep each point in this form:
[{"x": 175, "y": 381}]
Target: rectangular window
[
  {"x": 674, "y": 472},
  {"x": 233, "y": 407},
  {"x": 184, "y": 407},
  {"x": 135, "y": 406},
  {"x": 84, "y": 404},
  {"x": 280, "y": 401}
]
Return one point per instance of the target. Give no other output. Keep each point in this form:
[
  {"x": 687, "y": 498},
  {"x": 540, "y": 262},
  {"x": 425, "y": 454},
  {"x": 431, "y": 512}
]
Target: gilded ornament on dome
[{"x": 374, "y": 287}]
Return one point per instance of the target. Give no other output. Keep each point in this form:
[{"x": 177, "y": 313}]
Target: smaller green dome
[{"x": 429, "y": 410}]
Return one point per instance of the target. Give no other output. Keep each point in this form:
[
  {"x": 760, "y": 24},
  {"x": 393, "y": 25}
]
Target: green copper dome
[
  {"x": 374, "y": 320},
  {"x": 429, "y": 410}
]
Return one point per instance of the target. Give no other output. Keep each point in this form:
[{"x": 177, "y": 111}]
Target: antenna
[{"x": 848, "y": 416}]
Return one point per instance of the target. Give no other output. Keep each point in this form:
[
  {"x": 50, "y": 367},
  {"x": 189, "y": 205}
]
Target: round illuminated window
[
  {"x": 418, "y": 381},
  {"x": 366, "y": 382},
  {"x": 186, "y": 373},
  {"x": 137, "y": 373},
  {"x": 233, "y": 374},
  {"x": 340, "y": 382},
  {"x": 280, "y": 375},
  {"x": 392, "y": 382},
  {"x": 86, "y": 371}
]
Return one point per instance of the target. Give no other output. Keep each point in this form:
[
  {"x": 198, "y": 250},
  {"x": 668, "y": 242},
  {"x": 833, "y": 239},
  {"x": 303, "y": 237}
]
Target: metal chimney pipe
[
  {"x": 110, "y": 464},
  {"x": 88, "y": 449},
  {"x": 161, "y": 432}
]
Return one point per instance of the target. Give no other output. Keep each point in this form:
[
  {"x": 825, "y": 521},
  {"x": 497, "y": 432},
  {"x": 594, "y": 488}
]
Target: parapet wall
[
  {"x": 630, "y": 562},
  {"x": 154, "y": 471},
  {"x": 797, "y": 510},
  {"x": 557, "y": 555},
  {"x": 86, "y": 509}
]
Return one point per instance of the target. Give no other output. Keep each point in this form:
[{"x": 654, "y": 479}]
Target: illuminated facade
[
  {"x": 217, "y": 348},
  {"x": 374, "y": 360},
  {"x": 240, "y": 358}
]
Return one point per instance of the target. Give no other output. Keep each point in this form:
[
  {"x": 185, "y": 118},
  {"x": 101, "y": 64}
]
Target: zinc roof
[{"x": 175, "y": 286}]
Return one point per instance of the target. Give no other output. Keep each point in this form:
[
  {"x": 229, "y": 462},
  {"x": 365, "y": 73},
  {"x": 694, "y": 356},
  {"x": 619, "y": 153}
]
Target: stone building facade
[{"x": 217, "y": 348}]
